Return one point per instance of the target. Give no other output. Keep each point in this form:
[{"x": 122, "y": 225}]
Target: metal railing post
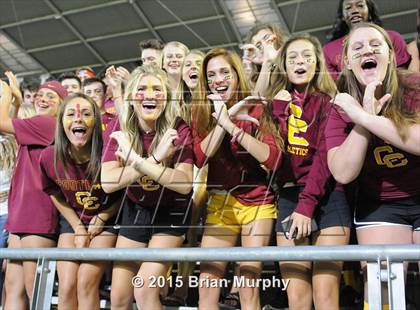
[
  {"x": 43, "y": 284},
  {"x": 396, "y": 285},
  {"x": 374, "y": 285}
]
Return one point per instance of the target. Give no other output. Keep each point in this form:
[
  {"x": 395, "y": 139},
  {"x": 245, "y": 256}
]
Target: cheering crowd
[{"x": 216, "y": 149}]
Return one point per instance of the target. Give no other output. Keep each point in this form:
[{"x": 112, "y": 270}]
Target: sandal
[
  {"x": 174, "y": 301},
  {"x": 232, "y": 300}
]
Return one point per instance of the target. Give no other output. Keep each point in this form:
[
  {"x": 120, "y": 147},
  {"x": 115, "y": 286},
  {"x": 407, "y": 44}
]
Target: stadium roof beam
[
  {"x": 144, "y": 19},
  {"x": 75, "y": 31}
]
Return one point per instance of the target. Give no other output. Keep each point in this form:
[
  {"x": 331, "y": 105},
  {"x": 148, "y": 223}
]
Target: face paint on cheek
[
  {"x": 139, "y": 96},
  {"x": 227, "y": 77},
  {"x": 377, "y": 51},
  {"x": 89, "y": 121},
  {"x": 159, "y": 95},
  {"x": 356, "y": 56},
  {"x": 67, "y": 120},
  {"x": 209, "y": 81}
]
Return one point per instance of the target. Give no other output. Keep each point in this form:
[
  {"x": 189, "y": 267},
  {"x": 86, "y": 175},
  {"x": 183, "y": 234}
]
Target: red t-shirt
[
  {"x": 30, "y": 209},
  {"x": 388, "y": 172},
  {"x": 302, "y": 124},
  {"x": 147, "y": 192},
  {"x": 85, "y": 198},
  {"x": 333, "y": 53},
  {"x": 233, "y": 169}
]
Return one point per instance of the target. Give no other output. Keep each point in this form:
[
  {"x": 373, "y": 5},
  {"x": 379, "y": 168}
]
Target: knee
[
  {"x": 87, "y": 284},
  {"x": 67, "y": 287},
  {"x": 145, "y": 296},
  {"x": 325, "y": 297},
  {"x": 120, "y": 298}
]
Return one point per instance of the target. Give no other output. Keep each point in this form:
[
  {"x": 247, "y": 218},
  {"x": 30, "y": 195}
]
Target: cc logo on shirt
[
  {"x": 296, "y": 126},
  {"x": 86, "y": 200},
  {"x": 385, "y": 155},
  {"x": 148, "y": 184}
]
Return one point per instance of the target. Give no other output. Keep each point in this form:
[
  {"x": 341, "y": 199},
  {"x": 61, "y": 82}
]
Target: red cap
[{"x": 56, "y": 87}]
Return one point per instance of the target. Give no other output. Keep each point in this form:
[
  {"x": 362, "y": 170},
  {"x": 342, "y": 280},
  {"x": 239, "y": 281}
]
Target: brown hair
[
  {"x": 202, "y": 108},
  {"x": 62, "y": 143},
  {"x": 321, "y": 82},
  {"x": 281, "y": 36}
]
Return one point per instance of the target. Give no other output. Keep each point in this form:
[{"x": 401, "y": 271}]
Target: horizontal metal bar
[{"x": 370, "y": 253}]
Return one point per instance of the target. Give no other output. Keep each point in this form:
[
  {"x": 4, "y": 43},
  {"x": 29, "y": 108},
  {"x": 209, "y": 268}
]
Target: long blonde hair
[
  {"x": 129, "y": 121},
  {"x": 8, "y": 153},
  {"x": 202, "y": 108},
  {"x": 394, "y": 83},
  {"x": 321, "y": 82}
]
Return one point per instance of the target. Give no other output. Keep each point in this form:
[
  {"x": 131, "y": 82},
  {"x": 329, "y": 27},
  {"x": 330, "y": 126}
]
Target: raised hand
[
  {"x": 125, "y": 150},
  {"x": 239, "y": 111},
  {"x": 220, "y": 109},
  {"x": 283, "y": 95},
  {"x": 370, "y": 104},
  {"x": 14, "y": 86},
  {"x": 166, "y": 146}
]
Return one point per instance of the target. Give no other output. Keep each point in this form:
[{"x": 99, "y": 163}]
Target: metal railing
[{"x": 391, "y": 256}]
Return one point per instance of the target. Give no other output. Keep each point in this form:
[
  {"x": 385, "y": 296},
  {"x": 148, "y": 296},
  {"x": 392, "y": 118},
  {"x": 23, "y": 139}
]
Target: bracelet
[
  {"x": 154, "y": 158},
  {"x": 97, "y": 216}
]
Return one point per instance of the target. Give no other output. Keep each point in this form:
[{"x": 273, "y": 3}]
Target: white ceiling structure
[{"x": 53, "y": 36}]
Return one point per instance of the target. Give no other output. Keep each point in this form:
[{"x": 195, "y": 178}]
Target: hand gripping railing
[{"x": 392, "y": 255}]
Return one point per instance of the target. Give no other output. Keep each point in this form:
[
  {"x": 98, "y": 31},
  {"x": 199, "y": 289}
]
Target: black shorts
[
  {"x": 53, "y": 237},
  {"x": 140, "y": 223},
  {"x": 404, "y": 211},
  {"x": 333, "y": 210},
  {"x": 65, "y": 227}
]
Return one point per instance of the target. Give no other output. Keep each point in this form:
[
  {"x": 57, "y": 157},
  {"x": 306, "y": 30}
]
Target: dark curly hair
[{"x": 340, "y": 28}]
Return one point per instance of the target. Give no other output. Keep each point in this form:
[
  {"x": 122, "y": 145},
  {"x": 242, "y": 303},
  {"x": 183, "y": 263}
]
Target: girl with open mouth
[
  {"x": 26, "y": 230},
  {"x": 71, "y": 177},
  {"x": 312, "y": 207},
  {"x": 151, "y": 156},
  {"x": 235, "y": 135},
  {"x": 373, "y": 136}
]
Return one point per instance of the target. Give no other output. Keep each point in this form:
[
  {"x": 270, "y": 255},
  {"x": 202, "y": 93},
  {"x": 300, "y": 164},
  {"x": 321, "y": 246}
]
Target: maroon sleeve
[
  {"x": 331, "y": 65},
  {"x": 184, "y": 154},
  {"x": 319, "y": 174},
  {"x": 47, "y": 182},
  {"x": 37, "y": 130},
  {"x": 280, "y": 114},
  {"x": 273, "y": 160},
  {"x": 400, "y": 48},
  {"x": 199, "y": 157},
  {"x": 337, "y": 129},
  {"x": 110, "y": 146}
]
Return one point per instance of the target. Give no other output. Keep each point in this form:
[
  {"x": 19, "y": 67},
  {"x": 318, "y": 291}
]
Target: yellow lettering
[
  {"x": 296, "y": 126},
  {"x": 148, "y": 184},
  {"x": 86, "y": 200},
  {"x": 385, "y": 156}
]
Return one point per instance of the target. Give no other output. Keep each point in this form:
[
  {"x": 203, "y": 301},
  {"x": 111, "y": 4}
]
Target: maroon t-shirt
[
  {"x": 333, "y": 53},
  {"x": 233, "y": 169},
  {"x": 302, "y": 123},
  {"x": 30, "y": 209},
  {"x": 147, "y": 192},
  {"x": 388, "y": 172},
  {"x": 85, "y": 198},
  {"x": 107, "y": 118}
]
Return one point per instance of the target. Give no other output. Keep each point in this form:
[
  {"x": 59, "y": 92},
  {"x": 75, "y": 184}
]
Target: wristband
[{"x": 154, "y": 158}]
